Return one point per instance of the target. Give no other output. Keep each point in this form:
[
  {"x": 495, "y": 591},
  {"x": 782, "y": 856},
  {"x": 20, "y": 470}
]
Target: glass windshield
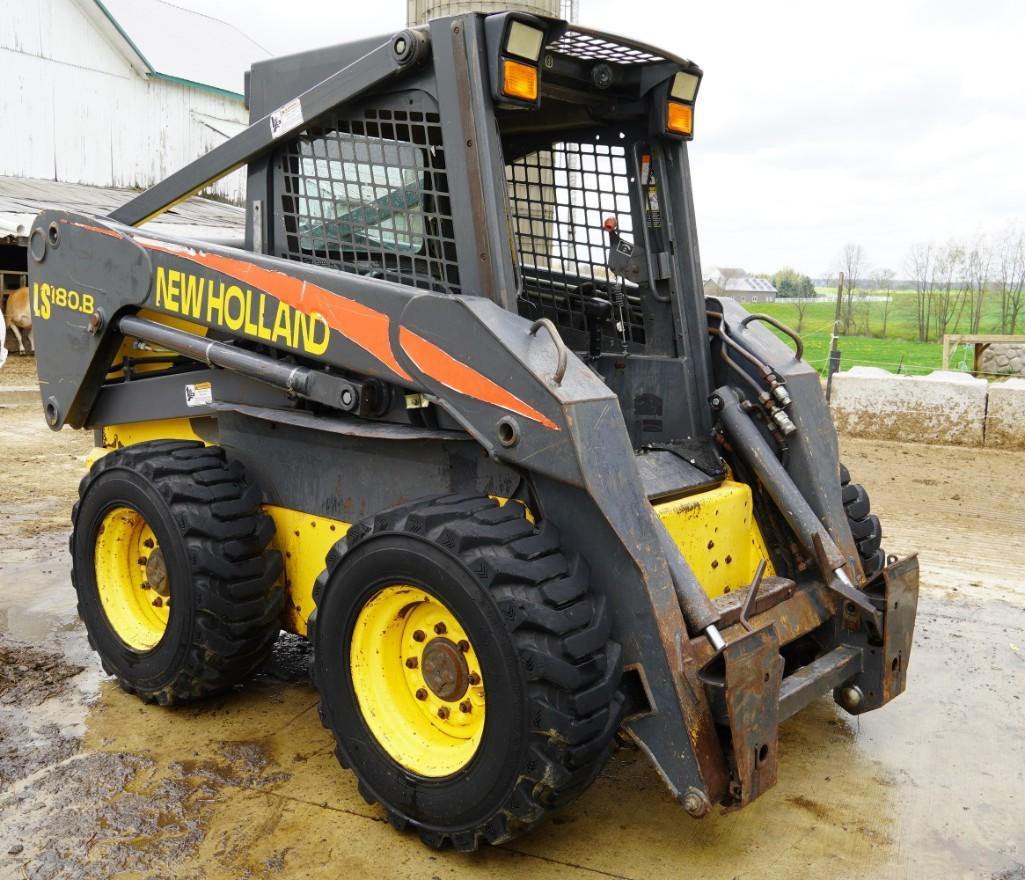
[{"x": 359, "y": 192}]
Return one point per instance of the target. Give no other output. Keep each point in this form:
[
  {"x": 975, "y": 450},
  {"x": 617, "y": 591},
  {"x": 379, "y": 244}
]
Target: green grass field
[{"x": 899, "y": 349}]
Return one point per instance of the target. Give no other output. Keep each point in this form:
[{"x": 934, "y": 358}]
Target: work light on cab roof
[
  {"x": 678, "y": 105},
  {"x": 514, "y": 42}
]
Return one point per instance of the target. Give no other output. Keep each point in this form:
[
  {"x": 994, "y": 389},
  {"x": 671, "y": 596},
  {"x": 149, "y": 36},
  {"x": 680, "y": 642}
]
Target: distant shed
[{"x": 736, "y": 283}]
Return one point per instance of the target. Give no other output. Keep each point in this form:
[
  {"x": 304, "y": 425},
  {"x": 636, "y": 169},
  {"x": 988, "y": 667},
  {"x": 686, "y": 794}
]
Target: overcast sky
[{"x": 883, "y": 122}]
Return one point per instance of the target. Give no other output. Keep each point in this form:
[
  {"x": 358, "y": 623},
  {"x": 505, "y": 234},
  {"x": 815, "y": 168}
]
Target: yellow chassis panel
[
  {"x": 715, "y": 530},
  {"x": 718, "y": 536},
  {"x": 304, "y": 541}
]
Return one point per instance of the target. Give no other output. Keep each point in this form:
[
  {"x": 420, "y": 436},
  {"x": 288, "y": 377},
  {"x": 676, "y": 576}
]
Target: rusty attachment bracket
[
  {"x": 836, "y": 578},
  {"x": 886, "y": 654},
  {"x": 752, "y": 677}
]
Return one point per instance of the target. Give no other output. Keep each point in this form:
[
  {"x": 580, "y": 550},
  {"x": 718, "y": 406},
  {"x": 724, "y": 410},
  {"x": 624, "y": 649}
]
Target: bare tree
[
  {"x": 1011, "y": 277},
  {"x": 948, "y": 285},
  {"x": 852, "y": 263},
  {"x": 978, "y": 261},
  {"x": 920, "y": 268},
  {"x": 882, "y": 280},
  {"x": 801, "y": 306}
]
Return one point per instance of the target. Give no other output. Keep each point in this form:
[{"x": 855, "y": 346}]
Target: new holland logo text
[{"x": 240, "y": 309}]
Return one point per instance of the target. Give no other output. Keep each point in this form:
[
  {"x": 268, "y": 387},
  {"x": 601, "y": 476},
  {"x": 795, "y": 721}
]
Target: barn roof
[
  {"x": 22, "y": 198},
  {"x": 749, "y": 285},
  {"x": 167, "y": 42}
]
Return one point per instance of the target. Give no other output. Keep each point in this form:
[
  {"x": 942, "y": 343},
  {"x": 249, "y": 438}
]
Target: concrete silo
[
  {"x": 534, "y": 199},
  {"x": 420, "y": 11}
]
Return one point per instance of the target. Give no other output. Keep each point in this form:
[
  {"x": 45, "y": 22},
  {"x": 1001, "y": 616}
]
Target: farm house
[{"x": 177, "y": 75}]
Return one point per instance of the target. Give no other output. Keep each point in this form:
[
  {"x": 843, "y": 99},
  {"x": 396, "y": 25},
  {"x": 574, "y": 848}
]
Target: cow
[{"x": 18, "y": 316}]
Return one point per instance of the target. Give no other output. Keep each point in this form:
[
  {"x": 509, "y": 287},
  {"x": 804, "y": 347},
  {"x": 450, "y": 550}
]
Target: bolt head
[
  {"x": 464, "y": 645},
  {"x": 474, "y": 678},
  {"x": 696, "y": 803},
  {"x": 412, "y": 663},
  {"x": 466, "y": 707},
  {"x": 419, "y": 636},
  {"x": 421, "y": 693},
  {"x": 440, "y": 629},
  {"x": 443, "y": 713}
]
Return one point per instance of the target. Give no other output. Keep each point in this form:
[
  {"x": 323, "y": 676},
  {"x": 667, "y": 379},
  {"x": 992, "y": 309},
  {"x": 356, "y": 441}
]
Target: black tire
[
  {"x": 865, "y": 527},
  {"x": 550, "y": 669},
  {"x": 207, "y": 520}
]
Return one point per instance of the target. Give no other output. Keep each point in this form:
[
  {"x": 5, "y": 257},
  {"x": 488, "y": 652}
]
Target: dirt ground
[
  {"x": 94, "y": 784},
  {"x": 18, "y": 370}
]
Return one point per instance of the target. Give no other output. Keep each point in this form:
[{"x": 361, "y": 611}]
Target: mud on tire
[
  {"x": 551, "y": 671},
  {"x": 865, "y": 527},
  {"x": 223, "y": 619}
]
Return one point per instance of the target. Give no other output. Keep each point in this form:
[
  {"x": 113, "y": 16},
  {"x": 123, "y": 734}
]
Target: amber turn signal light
[
  {"x": 519, "y": 80},
  {"x": 680, "y": 118}
]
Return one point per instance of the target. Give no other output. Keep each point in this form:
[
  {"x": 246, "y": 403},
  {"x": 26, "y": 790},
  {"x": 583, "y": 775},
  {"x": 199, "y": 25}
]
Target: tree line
[{"x": 952, "y": 282}]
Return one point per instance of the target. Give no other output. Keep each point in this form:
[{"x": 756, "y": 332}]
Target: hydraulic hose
[
  {"x": 698, "y": 610},
  {"x": 750, "y": 444}
]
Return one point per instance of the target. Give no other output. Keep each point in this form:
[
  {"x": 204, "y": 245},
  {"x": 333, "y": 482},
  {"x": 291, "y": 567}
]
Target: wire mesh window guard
[
  {"x": 370, "y": 195},
  {"x": 590, "y": 46},
  {"x": 559, "y": 199}
]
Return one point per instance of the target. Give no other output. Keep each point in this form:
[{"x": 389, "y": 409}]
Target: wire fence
[{"x": 961, "y": 356}]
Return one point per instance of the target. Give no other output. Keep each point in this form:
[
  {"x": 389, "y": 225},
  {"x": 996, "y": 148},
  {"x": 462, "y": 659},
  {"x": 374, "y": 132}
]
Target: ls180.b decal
[{"x": 46, "y": 297}]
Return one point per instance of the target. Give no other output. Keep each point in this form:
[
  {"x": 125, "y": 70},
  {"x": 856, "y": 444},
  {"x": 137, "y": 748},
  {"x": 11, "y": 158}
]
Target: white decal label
[
  {"x": 200, "y": 394},
  {"x": 286, "y": 117}
]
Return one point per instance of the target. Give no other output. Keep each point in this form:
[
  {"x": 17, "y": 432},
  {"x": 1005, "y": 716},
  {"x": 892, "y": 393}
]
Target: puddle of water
[
  {"x": 247, "y": 785},
  {"x": 37, "y": 602}
]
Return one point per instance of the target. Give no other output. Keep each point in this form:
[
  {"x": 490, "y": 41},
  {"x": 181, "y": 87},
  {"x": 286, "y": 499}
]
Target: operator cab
[{"x": 573, "y": 205}]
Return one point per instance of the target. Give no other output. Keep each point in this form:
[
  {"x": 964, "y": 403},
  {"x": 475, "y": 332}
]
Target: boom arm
[{"x": 405, "y": 50}]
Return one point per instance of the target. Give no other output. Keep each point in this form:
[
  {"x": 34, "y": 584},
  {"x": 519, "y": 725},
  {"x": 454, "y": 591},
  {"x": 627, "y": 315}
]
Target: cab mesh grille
[
  {"x": 370, "y": 194},
  {"x": 559, "y": 199}
]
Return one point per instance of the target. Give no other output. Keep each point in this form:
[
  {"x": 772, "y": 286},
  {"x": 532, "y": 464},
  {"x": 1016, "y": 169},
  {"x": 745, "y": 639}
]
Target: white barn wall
[{"x": 76, "y": 111}]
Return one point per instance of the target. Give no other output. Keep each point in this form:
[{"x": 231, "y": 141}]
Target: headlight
[
  {"x": 519, "y": 80},
  {"x": 677, "y": 99},
  {"x": 515, "y": 42}
]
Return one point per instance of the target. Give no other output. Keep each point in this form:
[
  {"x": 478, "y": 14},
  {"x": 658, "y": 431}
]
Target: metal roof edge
[
  {"x": 156, "y": 74},
  {"x": 141, "y": 62}
]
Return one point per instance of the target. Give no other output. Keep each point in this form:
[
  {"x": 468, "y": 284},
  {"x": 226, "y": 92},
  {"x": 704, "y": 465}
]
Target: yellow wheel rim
[
  {"x": 131, "y": 579},
  {"x": 418, "y": 681}
]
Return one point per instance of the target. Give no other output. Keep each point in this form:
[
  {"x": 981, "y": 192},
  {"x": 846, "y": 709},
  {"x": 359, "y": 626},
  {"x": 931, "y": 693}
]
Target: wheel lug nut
[
  {"x": 419, "y": 636},
  {"x": 466, "y": 706},
  {"x": 464, "y": 645},
  {"x": 411, "y": 663},
  {"x": 142, "y": 560},
  {"x": 440, "y": 629},
  {"x": 443, "y": 713},
  {"x": 421, "y": 694},
  {"x": 148, "y": 543},
  {"x": 474, "y": 679}
]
